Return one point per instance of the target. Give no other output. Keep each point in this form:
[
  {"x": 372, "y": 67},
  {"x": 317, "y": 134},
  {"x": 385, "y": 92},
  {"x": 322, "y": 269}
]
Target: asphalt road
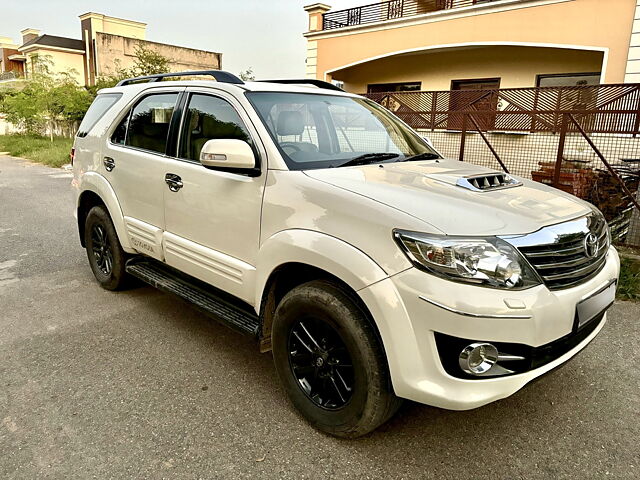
[{"x": 95, "y": 384}]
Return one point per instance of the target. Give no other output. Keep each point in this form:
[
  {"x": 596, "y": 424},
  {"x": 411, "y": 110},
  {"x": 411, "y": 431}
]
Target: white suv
[{"x": 322, "y": 225}]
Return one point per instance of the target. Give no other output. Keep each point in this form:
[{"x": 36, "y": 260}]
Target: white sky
[{"x": 263, "y": 34}]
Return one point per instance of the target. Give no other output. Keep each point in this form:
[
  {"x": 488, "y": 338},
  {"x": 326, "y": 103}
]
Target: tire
[
  {"x": 105, "y": 254},
  {"x": 307, "y": 366}
]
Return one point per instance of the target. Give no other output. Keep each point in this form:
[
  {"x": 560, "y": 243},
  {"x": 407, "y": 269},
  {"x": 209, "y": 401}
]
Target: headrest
[{"x": 290, "y": 123}]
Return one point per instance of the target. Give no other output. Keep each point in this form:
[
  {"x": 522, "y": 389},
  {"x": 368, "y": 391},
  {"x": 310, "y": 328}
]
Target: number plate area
[{"x": 591, "y": 307}]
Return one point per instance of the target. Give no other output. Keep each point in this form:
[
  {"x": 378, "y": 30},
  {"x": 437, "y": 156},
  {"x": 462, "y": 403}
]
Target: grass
[
  {"x": 38, "y": 149},
  {"x": 629, "y": 283}
]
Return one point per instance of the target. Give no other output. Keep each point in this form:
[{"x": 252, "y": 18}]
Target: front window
[
  {"x": 321, "y": 131},
  {"x": 209, "y": 118}
]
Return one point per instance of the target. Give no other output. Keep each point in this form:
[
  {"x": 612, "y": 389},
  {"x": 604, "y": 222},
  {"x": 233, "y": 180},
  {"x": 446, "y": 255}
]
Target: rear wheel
[
  {"x": 330, "y": 361},
  {"x": 105, "y": 254}
]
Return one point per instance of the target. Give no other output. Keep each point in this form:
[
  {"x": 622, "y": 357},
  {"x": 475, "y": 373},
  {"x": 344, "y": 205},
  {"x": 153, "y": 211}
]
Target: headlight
[{"x": 487, "y": 261}]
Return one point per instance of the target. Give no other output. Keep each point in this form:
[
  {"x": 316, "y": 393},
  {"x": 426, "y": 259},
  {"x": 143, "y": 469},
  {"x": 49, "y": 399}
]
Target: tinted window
[
  {"x": 209, "y": 118},
  {"x": 98, "y": 108},
  {"x": 149, "y": 122},
  {"x": 120, "y": 132}
]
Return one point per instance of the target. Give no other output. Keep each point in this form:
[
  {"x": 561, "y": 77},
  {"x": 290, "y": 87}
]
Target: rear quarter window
[{"x": 102, "y": 103}]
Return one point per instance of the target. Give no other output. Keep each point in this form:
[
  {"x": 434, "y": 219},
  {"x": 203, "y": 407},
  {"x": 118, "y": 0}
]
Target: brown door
[{"x": 472, "y": 95}]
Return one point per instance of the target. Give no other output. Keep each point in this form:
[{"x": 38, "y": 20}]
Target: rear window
[
  {"x": 149, "y": 122},
  {"x": 98, "y": 108}
]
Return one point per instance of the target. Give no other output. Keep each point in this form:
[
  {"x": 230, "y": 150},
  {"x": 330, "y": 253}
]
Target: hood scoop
[{"x": 488, "y": 182}]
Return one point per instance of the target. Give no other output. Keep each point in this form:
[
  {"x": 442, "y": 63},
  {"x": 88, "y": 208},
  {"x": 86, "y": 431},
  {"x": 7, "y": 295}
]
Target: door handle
[
  {"x": 174, "y": 182},
  {"x": 109, "y": 163}
]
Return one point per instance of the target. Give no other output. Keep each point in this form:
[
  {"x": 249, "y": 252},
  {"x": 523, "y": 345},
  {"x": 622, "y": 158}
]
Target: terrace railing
[
  {"x": 613, "y": 108},
  {"x": 382, "y": 11}
]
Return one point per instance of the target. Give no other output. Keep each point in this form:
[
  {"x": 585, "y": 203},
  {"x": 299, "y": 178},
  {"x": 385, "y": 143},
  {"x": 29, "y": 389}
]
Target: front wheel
[
  {"x": 106, "y": 256},
  {"x": 330, "y": 361}
]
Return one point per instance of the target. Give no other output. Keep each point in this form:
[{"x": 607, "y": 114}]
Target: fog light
[{"x": 478, "y": 358}]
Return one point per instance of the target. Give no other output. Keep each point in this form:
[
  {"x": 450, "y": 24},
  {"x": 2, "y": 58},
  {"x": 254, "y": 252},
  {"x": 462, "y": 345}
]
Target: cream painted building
[
  {"x": 404, "y": 45},
  {"x": 106, "y": 44}
]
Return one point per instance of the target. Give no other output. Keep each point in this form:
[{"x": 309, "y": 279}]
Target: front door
[
  {"x": 212, "y": 217},
  {"x": 134, "y": 162}
]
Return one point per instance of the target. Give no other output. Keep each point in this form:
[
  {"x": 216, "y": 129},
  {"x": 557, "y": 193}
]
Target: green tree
[
  {"x": 51, "y": 99},
  {"x": 147, "y": 62},
  {"x": 46, "y": 100},
  {"x": 247, "y": 75}
]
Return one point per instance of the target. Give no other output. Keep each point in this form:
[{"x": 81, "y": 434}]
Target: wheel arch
[
  {"x": 95, "y": 190},
  {"x": 293, "y": 257}
]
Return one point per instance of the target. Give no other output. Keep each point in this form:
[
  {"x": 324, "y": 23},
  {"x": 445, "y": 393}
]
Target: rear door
[
  {"x": 135, "y": 163},
  {"x": 212, "y": 219}
]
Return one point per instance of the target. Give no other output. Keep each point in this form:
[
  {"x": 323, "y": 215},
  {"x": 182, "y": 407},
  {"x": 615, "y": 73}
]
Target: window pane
[
  {"x": 149, "y": 124},
  {"x": 393, "y": 87},
  {"x": 569, "y": 80},
  {"x": 121, "y": 131},
  {"x": 321, "y": 131},
  {"x": 209, "y": 118},
  {"x": 98, "y": 108}
]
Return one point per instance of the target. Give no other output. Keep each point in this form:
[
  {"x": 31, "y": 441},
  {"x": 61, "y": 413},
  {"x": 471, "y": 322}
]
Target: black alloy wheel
[
  {"x": 321, "y": 363},
  {"x": 330, "y": 360},
  {"x": 105, "y": 254},
  {"x": 101, "y": 248}
]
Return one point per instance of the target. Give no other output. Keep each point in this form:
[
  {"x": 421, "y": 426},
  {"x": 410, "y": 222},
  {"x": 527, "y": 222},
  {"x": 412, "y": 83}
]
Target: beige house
[
  {"x": 106, "y": 44},
  {"x": 403, "y": 45}
]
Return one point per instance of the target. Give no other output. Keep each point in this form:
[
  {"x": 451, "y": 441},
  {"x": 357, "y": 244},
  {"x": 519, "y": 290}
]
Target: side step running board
[{"x": 232, "y": 313}]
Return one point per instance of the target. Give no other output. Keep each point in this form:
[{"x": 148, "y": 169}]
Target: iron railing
[
  {"x": 613, "y": 108},
  {"x": 382, "y": 11},
  {"x": 584, "y": 140}
]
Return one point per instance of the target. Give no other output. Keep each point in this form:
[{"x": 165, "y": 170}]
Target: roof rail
[
  {"x": 310, "y": 81},
  {"x": 219, "y": 75}
]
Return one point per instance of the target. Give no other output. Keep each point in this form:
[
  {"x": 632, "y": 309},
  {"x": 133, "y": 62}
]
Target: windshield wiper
[
  {"x": 369, "y": 158},
  {"x": 421, "y": 156}
]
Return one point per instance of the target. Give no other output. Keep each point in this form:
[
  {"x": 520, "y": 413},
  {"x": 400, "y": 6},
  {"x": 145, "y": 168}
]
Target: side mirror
[{"x": 227, "y": 153}]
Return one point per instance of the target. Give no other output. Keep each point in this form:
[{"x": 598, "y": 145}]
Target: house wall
[
  {"x": 7, "y": 48},
  {"x": 91, "y": 24},
  {"x": 515, "y": 66},
  {"x": 112, "y": 50},
  {"x": 605, "y": 26},
  {"x": 7, "y": 65},
  {"x": 633, "y": 60},
  {"x": 61, "y": 62}
]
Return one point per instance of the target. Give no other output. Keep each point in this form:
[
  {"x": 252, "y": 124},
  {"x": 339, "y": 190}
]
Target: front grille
[
  {"x": 565, "y": 262},
  {"x": 491, "y": 181}
]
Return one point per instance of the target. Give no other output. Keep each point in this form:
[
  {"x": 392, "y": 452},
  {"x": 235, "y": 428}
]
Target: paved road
[{"x": 137, "y": 384}]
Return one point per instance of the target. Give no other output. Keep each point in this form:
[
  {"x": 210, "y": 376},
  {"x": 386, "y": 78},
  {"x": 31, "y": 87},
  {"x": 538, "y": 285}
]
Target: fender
[
  {"x": 316, "y": 249},
  {"x": 96, "y": 183}
]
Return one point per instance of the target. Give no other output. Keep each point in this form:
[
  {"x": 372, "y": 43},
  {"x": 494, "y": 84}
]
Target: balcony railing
[{"x": 382, "y": 11}]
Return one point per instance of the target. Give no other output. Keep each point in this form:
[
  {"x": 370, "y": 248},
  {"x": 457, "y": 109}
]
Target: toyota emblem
[{"x": 591, "y": 245}]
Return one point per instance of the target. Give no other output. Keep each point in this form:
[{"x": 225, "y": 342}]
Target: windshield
[{"x": 320, "y": 131}]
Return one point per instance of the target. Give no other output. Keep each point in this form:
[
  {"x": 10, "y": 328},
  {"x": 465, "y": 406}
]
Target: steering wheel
[{"x": 292, "y": 145}]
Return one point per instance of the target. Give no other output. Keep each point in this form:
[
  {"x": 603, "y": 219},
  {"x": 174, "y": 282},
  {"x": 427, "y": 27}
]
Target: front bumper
[{"x": 412, "y": 306}]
